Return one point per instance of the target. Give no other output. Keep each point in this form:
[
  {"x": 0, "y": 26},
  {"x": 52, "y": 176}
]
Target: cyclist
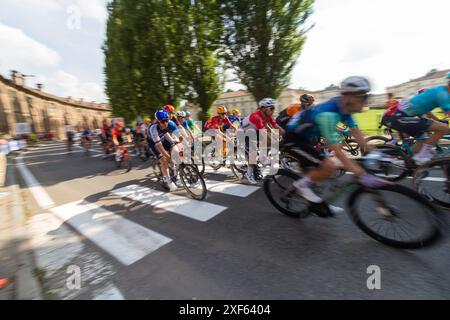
[
  {"x": 259, "y": 120},
  {"x": 307, "y": 127},
  {"x": 220, "y": 124},
  {"x": 306, "y": 101},
  {"x": 171, "y": 111},
  {"x": 181, "y": 117},
  {"x": 161, "y": 142},
  {"x": 235, "y": 118},
  {"x": 409, "y": 119},
  {"x": 191, "y": 124}
]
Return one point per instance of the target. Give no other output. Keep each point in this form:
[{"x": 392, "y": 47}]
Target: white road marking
[
  {"x": 198, "y": 210},
  {"x": 108, "y": 293},
  {"x": 233, "y": 189},
  {"x": 125, "y": 240},
  {"x": 221, "y": 171},
  {"x": 42, "y": 198}
]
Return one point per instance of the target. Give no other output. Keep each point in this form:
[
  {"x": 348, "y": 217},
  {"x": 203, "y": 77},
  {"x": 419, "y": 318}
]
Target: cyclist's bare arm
[
  {"x": 348, "y": 163},
  {"x": 163, "y": 151},
  {"x": 360, "y": 139},
  {"x": 115, "y": 141}
]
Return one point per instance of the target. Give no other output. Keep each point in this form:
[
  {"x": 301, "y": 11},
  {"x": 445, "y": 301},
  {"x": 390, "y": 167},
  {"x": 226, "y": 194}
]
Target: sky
[{"x": 388, "y": 41}]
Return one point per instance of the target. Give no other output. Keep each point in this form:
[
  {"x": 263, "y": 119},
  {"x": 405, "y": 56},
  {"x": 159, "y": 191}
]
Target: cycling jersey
[
  {"x": 156, "y": 134},
  {"x": 118, "y": 134},
  {"x": 185, "y": 125},
  {"x": 191, "y": 124},
  {"x": 285, "y": 115},
  {"x": 218, "y": 123},
  {"x": 321, "y": 121},
  {"x": 235, "y": 121},
  {"x": 106, "y": 131},
  {"x": 391, "y": 103},
  {"x": 427, "y": 101},
  {"x": 258, "y": 121}
]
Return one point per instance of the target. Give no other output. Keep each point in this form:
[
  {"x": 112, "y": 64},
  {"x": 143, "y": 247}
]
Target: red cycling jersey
[
  {"x": 116, "y": 133},
  {"x": 217, "y": 123},
  {"x": 392, "y": 109},
  {"x": 258, "y": 121}
]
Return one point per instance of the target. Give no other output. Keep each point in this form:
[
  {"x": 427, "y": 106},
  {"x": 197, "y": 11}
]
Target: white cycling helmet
[
  {"x": 181, "y": 114},
  {"x": 355, "y": 84},
  {"x": 267, "y": 103}
]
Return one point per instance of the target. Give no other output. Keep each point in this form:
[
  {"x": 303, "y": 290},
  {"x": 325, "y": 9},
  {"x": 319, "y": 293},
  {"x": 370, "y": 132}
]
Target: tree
[
  {"x": 158, "y": 52},
  {"x": 263, "y": 40},
  {"x": 203, "y": 67}
]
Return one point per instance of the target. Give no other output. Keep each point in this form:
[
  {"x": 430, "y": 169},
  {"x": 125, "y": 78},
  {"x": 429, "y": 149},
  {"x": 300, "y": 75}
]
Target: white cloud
[
  {"x": 19, "y": 51},
  {"x": 388, "y": 41},
  {"x": 66, "y": 84},
  {"x": 94, "y": 9}
]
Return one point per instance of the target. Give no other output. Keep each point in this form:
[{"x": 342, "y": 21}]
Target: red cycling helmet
[
  {"x": 120, "y": 124},
  {"x": 169, "y": 108},
  {"x": 422, "y": 90}
]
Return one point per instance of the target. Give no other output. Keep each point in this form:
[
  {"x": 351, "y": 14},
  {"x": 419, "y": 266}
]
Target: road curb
[{"x": 27, "y": 286}]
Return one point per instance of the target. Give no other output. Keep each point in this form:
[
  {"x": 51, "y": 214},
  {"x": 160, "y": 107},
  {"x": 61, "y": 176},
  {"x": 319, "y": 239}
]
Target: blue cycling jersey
[
  {"x": 437, "y": 97},
  {"x": 156, "y": 134},
  {"x": 321, "y": 121}
]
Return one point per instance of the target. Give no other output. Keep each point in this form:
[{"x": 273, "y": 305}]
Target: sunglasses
[
  {"x": 222, "y": 114},
  {"x": 364, "y": 97},
  {"x": 163, "y": 121}
]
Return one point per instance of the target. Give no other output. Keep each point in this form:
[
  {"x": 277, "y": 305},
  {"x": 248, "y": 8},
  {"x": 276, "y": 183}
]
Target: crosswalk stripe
[
  {"x": 197, "y": 210},
  {"x": 221, "y": 171},
  {"x": 125, "y": 240},
  {"x": 233, "y": 189}
]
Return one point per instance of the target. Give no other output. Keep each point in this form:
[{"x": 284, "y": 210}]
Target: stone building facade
[
  {"x": 410, "y": 88},
  {"x": 42, "y": 111}
]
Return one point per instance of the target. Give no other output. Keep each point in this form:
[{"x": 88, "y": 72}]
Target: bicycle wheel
[
  {"x": 395, "y": 164},
  {"x": 213, "y": 161},
  {"x": 193, "y": 181},
  {"x": 395, "y": 215},
  {"x": 377, "y": 140},
  {"x": 281, "y": 193},
  {"x": 432, "y": 180}
]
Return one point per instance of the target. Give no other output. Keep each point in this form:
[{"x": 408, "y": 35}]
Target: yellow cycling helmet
[
  {"x": 235, "y": 111},
  {"x": 221, "y": 110},
  {"x": 148, "y": 120}
]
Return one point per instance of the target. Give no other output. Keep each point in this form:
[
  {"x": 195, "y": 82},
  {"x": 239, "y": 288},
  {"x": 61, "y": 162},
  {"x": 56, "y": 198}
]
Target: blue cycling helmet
[
  {"x": 162, "y": 115},
  {"x": 188, "y": 113},
  {"x": 448, "y": 76}
]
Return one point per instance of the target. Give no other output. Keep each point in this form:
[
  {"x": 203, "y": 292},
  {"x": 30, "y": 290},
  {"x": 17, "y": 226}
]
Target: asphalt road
[{"x": 130, "y": 244}]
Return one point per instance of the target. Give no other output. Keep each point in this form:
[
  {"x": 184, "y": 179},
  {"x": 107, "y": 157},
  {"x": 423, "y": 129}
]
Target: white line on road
[
  {"x": 108, "y": 293},
  {"x": 221, "y": 171},
  {"x": 232, "y": 189},
  {"x": 42, "y": 198},
  {"x": 198, "y": 210},
  {"x": 125, "y": 240}
]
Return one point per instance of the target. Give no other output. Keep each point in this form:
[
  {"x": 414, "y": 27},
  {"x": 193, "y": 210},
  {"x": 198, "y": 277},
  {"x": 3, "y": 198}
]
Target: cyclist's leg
[
  {"x": 415, "y": 126},
  {"x": 319, "y": 168}
]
